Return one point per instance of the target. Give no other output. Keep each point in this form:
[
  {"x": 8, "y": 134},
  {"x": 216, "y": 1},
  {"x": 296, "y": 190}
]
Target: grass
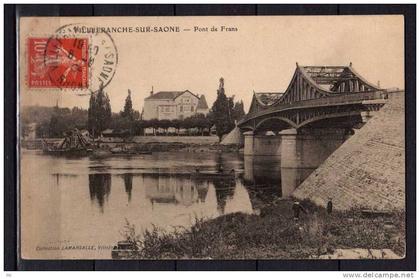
[{"x": 272, "y": 234}]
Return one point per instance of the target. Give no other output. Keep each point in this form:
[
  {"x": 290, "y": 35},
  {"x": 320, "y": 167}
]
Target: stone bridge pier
[{"x": 305, "y": 148}]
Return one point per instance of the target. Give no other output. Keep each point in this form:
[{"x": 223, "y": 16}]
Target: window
[
  {"x": 192, "y": 108},
  {"x": 181, "y": 108}
]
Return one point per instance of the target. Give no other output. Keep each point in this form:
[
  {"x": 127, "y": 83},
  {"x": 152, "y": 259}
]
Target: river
[{"x": 77, "y": 207}]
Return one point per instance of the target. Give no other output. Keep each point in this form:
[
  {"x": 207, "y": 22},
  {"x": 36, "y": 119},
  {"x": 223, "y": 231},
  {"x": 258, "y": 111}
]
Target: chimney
[{"x": 151, "y": 92}]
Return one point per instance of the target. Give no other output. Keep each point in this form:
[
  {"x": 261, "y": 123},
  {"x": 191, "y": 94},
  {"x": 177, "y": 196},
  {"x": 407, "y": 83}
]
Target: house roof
[
  {"x": 202, "y": 103},
  {"x": 167, "y": 95}
]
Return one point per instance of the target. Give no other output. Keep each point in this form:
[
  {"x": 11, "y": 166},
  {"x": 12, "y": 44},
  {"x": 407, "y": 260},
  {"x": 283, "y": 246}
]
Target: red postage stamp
[{"x": 58, "y": 63}]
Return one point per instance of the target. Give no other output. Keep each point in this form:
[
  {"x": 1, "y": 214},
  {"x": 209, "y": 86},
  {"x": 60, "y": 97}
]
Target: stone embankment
[{"x": 368, "y": 170}]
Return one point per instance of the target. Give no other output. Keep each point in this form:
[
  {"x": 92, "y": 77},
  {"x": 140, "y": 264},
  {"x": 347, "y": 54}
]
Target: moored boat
[{"x": 74, "y": 144}]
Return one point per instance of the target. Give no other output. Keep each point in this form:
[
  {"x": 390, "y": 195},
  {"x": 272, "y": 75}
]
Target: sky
[{"x": 260, "y": 56}]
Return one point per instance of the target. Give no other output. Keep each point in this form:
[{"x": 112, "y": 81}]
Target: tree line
[
  {"x": 52, "y": 121},
  {"x": 99, "y": 117},
  {"x": 200, "y": 123}
]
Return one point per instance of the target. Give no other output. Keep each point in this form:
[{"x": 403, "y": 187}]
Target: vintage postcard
[{"x": 242, "y": 137}]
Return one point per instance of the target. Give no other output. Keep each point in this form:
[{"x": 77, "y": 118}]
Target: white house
[{"x": 173, "y": 105}]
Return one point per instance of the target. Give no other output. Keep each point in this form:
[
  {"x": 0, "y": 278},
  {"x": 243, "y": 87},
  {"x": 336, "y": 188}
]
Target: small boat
[{"x": 72, "y": 145}]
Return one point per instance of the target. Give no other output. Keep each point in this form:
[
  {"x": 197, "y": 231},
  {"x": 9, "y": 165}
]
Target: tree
[
  {"x": 165, "y": 124},
  {"x": 53, "y": 121},
  {"x": 25, "y": 129},
  {"x": 42, "y": 130},
  {"x": 120, "y": 123},
  {"x": 127, "y": 116},
  {"x": 136, "y": 114},
  {"x": 99, "y": 112},
  {"x": 139, "y": 126},
  {"x": 198, "y": 121},
  {"x": 77, "y": 118},
  {"x": 92, "y": 114},
  {"x": 57, "y": 125},
  {"x": 176, "y": 123},
  {"x": 128, "y": 111},
  {"x": 238, "y": 111},
  {"x": 54, "y": 127},
  {"x": 221, "y": 112},
  {"x": 153, "y": 123},
  {"x": 187, "y": 123}
]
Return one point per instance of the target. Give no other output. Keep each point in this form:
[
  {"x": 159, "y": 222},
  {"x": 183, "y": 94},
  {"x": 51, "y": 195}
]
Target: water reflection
[
  {"x": 292, "y": 178},
  {"x": 187, "y": 189},
  {"x": 100, "y": 188},
  {"x": 266, "y": 174},
  {"x": 263, "y": 181},
  {"x": 170, "y": 188},
  {"x": 128, "y": 184},
  {"x": 64, "y": 175},
  {"x": 224, "y": 191},
  {"x": 240, "y": 201},
  {"x": 167, "y": 193}
]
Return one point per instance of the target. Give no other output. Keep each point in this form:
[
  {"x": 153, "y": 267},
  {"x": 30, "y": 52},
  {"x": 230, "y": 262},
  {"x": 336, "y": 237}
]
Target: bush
[{"x": 272, "y": 235}]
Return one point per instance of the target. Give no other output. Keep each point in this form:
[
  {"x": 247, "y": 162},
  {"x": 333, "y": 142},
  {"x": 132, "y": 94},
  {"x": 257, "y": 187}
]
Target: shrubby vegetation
[
  {"x": 272, "y": 234},
  {"x": 53, "y": 121},
  {"x": 199, "y": 122}
]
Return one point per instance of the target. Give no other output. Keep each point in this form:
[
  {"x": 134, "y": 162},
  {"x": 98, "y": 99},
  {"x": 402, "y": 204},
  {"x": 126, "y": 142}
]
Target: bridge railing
[{"x": 340, "y": 98}]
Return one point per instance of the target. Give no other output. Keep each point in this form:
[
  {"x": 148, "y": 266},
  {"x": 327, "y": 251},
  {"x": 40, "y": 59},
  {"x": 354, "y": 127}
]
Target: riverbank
[
  {"x": 369, "y": 168},
  {"x": 274, "y": 234},
  {"x": 151, "y": 147},
  {"x": 148, "y": 144},
  {"x": 171, "y": 143}
]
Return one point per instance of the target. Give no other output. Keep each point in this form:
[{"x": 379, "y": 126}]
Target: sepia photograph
[{"x": 212, "y": 138}]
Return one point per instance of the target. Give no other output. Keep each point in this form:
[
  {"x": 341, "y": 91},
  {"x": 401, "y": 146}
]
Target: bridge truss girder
[
  {"x": 300, "y": 118},
  {"x": 315, "y": 82}
]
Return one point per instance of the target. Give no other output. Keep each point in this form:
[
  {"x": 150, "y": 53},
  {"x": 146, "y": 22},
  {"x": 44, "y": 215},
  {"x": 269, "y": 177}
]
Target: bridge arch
[
  {"x": 247, "y": 128},
  {"x": 327, "y": 116},
  {"x": 280, "y": 123}
]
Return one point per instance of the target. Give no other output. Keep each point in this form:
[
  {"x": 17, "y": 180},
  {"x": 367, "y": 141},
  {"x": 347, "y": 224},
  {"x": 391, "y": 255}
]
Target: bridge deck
[{"x": 340, "y": 99}]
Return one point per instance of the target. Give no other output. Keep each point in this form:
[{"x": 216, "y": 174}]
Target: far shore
[{"x": 147, "y": 144}]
